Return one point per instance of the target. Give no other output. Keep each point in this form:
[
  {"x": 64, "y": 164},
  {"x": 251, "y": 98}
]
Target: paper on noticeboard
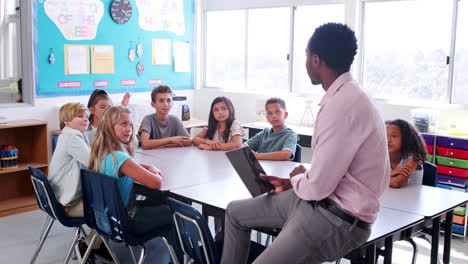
[
  {"x": 102, "y": 59},
  {"x": 76, "y": 59},
  {"x": 181, "y": 56},
  {"x": 161, "y": 51}
]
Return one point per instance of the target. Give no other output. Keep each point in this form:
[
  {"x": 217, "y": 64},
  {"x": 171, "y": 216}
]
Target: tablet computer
[{"x": 247, "y": 166}]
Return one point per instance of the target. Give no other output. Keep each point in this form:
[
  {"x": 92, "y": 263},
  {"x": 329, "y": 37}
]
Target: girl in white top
[
  {"x": 99, "y": 101},
  {"x": 71, "y": 154},
  {"x": 223, "y": 132},
  {"x": 407, "y": 153}
]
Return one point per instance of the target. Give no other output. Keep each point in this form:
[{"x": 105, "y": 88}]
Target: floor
[{"x": 19, "y": 235}]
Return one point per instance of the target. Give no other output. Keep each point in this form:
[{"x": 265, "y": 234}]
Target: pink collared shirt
[{"x": 350, "y": 163}]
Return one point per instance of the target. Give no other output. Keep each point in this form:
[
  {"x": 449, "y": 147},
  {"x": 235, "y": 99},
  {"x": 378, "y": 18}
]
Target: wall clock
[{"x": 121, "y": 11}]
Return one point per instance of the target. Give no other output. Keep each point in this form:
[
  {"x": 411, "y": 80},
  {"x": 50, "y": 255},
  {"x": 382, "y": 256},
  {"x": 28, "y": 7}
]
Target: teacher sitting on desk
[{"x": 327, "y": 211}]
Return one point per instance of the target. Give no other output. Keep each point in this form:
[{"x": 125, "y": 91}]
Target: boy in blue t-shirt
[{"x": 277, "y": 142}]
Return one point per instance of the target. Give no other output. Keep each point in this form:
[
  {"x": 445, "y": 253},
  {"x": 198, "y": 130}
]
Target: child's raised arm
[
  {"x": 126, "y": 99},
  {"x": 401, "y": 175}
]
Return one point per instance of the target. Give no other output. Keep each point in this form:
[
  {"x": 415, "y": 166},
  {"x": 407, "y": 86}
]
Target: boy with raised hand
[
  {"x": 161, "y": 130},
  {"x": 277, "y": 142}
]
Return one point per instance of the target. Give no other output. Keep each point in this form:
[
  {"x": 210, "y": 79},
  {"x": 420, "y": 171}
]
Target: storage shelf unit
[
  {"x": 16, "y": 190},
  {"x": 451, "y": 157}
]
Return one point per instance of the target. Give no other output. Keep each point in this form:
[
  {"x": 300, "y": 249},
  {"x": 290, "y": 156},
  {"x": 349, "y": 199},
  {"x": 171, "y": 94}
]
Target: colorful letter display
[
  {"x": 76, "y": 19},
  {"x": 161, "y": 15}
]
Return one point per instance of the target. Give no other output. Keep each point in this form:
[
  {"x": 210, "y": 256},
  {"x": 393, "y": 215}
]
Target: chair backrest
[
  {"x": 103, "y": 208},
  {"x": 429, "y": 174},
  {"x": 54, "y": 142},
  {"x": 193, "y": 232},
  {"x": 45, "y": 196},
  {"x": 297, "y": 156}
]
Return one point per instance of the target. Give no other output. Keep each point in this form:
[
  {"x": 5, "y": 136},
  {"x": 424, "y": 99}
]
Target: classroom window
[
  {"x": 307, "y": 18},
  {"x": 10, "y": 54},
  {"x": 225, "y": 49},
  {"x": 406, "y": 44},
  {"x": 250, "y": 49},
  {"x": 460, "y": 78},
  {"x": 267, "y": 49}
]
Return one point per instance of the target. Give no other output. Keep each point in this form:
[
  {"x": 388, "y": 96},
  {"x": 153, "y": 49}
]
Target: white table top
[
  {"x": 390, "y": 221},
  {"x": 422, "y": 200},
  {"x": 187, "y": 166}
]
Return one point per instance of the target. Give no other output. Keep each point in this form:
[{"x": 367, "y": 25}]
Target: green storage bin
[
  {"x": 460, "y": 211},
  {"x": 451, "y": 162},
  {"x": 429, "y": 158}
]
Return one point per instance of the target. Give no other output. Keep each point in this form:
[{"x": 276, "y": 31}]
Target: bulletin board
[{"x": 52, "y": 37}]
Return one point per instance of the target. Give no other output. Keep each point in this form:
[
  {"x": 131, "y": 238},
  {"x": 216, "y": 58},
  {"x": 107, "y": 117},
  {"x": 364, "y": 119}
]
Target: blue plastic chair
[
  {"x": 297, "y": 156},
  {"x": 54, "y": 142},
  {"x": 195, "y": 237},
  {"x": 104, "y": 212},
  {"x": 48, "y": 203},
  {"x": 193, "y": 231},
  {"x": 429, "y": 174}
]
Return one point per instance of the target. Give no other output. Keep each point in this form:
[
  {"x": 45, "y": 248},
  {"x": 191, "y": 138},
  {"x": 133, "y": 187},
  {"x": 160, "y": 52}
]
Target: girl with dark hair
[
  {"x": 407, "y": 153},
  {"x": 98, "y": 103},
  {"x": 224, "y": 132}
]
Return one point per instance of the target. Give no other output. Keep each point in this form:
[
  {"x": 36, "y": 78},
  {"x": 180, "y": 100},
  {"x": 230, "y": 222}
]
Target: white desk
[
  {"x": 422, "y": 200},
  {"x": 187, "y": 166},
  {"x": 432, "y": 203}
]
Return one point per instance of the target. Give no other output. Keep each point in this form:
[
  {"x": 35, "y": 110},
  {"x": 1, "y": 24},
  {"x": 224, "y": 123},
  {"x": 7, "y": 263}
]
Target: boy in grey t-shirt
[
  {"x": 278, "y": 142},
  {"x": 162, "y": 130}
]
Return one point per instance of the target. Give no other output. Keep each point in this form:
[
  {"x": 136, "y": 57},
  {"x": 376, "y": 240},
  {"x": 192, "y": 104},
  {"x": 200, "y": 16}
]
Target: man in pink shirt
[{"x": 325, "y": 212}]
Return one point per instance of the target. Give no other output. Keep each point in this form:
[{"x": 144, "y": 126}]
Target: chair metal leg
[
  {"x": 75, "y": 240},
  {"x": 338, "y": 261},
  {"x": 83, "y": 232},
  {"x": 142, "y": 255},
  {"x": 171, "y": 250},
  {"x": 267, "y": 241},
  {"x": 90, "y": 247},
  {"x": 186, "y": 259},
  {"x": 44, "y": 235},
  {"x": 415, "y": 250},
  {"x": 259, "y": 237},
  {"x": 111, "y": 252},
  {"x": 133, "y": 254}
]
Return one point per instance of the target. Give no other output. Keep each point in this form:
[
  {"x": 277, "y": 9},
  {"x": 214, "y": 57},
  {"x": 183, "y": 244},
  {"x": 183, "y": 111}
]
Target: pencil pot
[{"x": 8, "y": 157}]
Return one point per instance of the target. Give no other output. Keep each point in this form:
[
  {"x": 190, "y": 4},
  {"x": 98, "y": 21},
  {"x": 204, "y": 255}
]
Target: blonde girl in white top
[{"x": 71, "y": 154}]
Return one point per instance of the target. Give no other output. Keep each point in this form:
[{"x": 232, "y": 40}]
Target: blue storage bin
[{"x": 459, "y": 229}]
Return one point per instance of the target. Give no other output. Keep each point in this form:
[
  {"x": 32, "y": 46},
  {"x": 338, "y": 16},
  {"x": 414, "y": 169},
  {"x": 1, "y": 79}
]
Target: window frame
[
  {"x": 26, "y": 49},
  {"x": 451, "y": 56}
]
